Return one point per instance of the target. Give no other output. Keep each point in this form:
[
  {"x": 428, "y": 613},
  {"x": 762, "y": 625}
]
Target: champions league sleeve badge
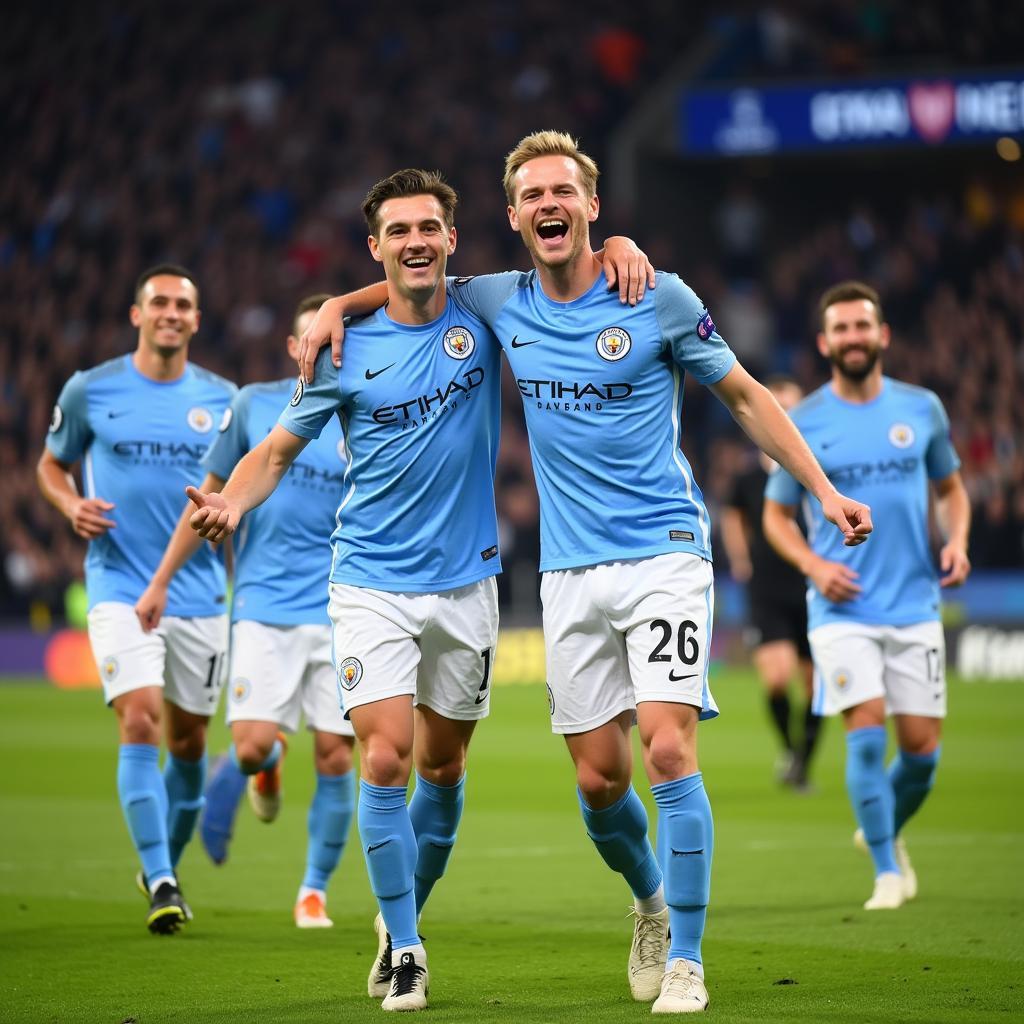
[{"x": 705, "y": 326}]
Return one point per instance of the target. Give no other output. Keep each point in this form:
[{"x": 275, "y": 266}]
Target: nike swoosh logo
[
  {"x": 516, "y": 343},
  {"x": 370, "y": 374},
  {"x": 828, "y": 444},
  {"x": 687, "y": 853},
  {"x": 677, "y": 679},
  {"x": 377, "y": 846},
  {"x": 112, "y": 415}
]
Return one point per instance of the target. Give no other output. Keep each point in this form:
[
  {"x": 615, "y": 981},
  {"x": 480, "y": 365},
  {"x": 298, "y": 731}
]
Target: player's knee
[
  {"x": 599, "y": 786},
  {"x": 383, "y": 765},
  {"x": 335, "y": 761},
  {"x": 444, "y": 773},
  {"x": 188, "y": 747},
  {"x": 669, "y": 756},
  {"x": 139, "y": 724},
  {"x": 251, "y": 753}
]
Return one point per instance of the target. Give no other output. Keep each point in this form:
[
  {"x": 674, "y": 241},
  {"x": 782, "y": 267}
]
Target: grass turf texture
[{"x": 528, "y": 925}]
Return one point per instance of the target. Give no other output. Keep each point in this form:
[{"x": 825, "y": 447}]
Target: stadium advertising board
[{"x": 742, "y": 121}]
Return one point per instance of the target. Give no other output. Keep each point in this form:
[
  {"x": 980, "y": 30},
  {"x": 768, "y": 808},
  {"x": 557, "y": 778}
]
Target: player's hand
[
  {"x": 216, "y": 518},
  {"x": 852, "y": 518},
  {"x": 953, "y": 561},
  {"x": 88, "y": 519},
  {"x": 326, "y": 326},
  {"x": 834, "y": 581},
  {"x": 150, "y": 607},
  {"x": 628, "y": 267}
]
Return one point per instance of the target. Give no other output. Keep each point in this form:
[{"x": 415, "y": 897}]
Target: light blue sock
[
  {"x": 434, "y": 812},
  {"x": 620, "y": 834},
  {"x": 144, "y": 802},
  {"x": 184, "y": 782},
  {"x": 271, "y": 759},
  {"x": 389, "y": 845},
  {"x": 871, "y": 793},
  {"x": 686, "y": 842},
  {"x": 330, "y": 815},
  {"x": 911, "y": 777}
]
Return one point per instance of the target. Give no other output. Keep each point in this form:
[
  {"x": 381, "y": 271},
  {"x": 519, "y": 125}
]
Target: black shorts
[{"x": 778, "y": 619}]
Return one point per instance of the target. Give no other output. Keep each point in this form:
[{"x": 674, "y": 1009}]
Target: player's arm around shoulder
[
  {"x": 765, "y": 422},
  {"x": 329, "y": 325}
]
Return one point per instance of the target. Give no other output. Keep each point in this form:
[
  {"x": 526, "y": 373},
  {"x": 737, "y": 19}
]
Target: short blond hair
[{"x": 549, "y": 143}]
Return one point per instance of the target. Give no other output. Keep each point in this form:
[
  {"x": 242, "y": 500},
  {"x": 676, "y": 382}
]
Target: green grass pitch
[{"x": 528, "y": 926}]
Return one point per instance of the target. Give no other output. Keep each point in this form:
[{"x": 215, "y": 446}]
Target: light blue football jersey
[
  {"x": 283, "y": 551},
  {"x": 881, "y": 452},
  {"x": 420, "y": 408},
  {"x": 140, "y": 442},
  {"x": 602, "y": 390}
]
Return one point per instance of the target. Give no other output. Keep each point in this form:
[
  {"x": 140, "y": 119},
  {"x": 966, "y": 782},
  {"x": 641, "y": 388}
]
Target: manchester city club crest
[
  {"x": 459, "y": 342},
  {"x": 110, "y": 668},
  {"x": 200, "y": 419},
  {"x": 240, "y": 690},
  {"x": 613, "y": 343},
  {"x": 842, "y": 677},
  {"x": 350, "y": 671},
  {"x": 901, "y": 435}
]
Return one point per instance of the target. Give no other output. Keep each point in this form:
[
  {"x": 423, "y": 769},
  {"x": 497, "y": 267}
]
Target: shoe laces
[
  {"x": 681, "y": 983},
  {"x": 384, "y": 961},
  {"x": 406, "y": 976},
  {"x": 647, "y": 940}
]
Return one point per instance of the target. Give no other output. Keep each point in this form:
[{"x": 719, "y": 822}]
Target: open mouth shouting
[{"x": 551, "y": 231}]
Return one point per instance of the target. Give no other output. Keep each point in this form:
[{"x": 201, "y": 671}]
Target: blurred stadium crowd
[{"x": 239, "y": 139}]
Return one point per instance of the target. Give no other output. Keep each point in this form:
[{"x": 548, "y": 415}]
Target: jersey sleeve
[
  {"x": 689, "y": 331},
  {"x": 485, "y": 295},
  {"x": 232, "y": 440},
  {"x": 940, "y": 457},
  {"x": 783, "y": 487},
  {"x": 70, "y": 433},
  {"x": 312, "y": 405}
]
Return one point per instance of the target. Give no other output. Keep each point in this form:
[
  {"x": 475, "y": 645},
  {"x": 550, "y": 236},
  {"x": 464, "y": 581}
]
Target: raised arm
[
  {"x": 765, "y": 422},
  {"x": 953, "y": 510},
  {"x": 184, "y": 543},
  {"x": 250, "y": 484},
  {"x": 86, "y": 515}
]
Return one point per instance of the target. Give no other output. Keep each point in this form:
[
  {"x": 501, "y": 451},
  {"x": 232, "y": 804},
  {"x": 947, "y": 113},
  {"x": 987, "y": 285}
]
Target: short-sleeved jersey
[
  {"x": 772, "y": 577},
  {"x": 602, "y": 390},
  {"x": 881, "y": 452},
  {"x": 420, "y": 408},
  {"x": 140, "y": 442},
  {"x": 283, "y": 550}
]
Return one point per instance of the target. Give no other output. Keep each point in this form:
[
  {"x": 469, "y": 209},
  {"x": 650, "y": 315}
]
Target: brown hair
[
  {"x": 849, "y": 291},
  {"x": 306, "y": 304},
  {"x": 549, "y": 143},
  {"x": 410, "y": 182}
]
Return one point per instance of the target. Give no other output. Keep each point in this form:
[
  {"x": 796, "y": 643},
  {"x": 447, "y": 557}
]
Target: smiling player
[
  {"x": 874, "y": 622},
  {"x": 141, "y": 423}
]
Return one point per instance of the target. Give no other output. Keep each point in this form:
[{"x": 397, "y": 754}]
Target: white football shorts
[
  {"x": 278, "y": 673},
  {"x": 855, "y": 662},
  {"x": 620, "y": 633},
  {"x": 437, "y": 647},
  {"x": 184, "y": 656}
]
